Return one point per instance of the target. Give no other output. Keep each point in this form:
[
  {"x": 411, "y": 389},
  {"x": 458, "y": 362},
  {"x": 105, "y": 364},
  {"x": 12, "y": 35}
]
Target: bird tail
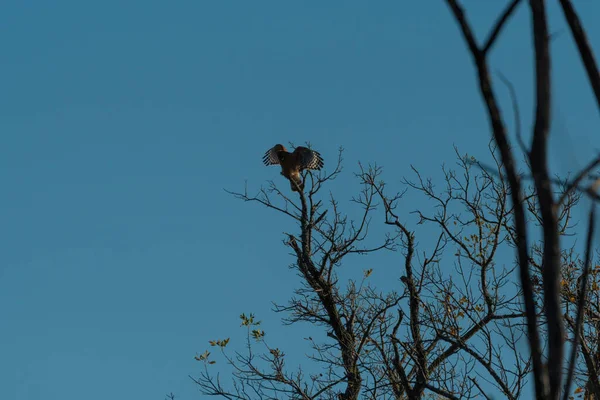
[{"x": 298, "y": 181}]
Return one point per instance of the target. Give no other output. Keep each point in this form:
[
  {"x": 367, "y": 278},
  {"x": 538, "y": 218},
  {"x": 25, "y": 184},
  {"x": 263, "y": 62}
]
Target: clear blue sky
[{"x": 122, "y": 122}]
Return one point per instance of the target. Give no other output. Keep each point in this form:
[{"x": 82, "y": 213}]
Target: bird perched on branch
[{"x": 293, "y": 163}]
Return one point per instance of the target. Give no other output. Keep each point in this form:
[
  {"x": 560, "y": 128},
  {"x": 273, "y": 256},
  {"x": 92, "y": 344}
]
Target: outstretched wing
[
  {"x": 270, "y": 157},
  {"x": 308, "y": 159}
]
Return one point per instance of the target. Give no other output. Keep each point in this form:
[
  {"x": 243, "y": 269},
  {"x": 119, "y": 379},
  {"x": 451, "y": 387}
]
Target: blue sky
[{"x": 122, "y": 122}]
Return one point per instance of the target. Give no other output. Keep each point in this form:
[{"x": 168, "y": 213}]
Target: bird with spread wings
[{"x": 292, "y": 164}]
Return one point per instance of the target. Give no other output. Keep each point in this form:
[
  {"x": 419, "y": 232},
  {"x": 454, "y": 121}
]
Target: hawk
[{"x": 293, "y": 163}]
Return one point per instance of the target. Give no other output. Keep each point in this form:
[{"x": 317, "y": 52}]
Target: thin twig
[
  {"x": 515, "y": 106},
  {"x": 577, "y": 180},
  {"x": 582, "y": 293},
  {"x": 585, "y": 51},
  {"x": 499, "y": 25}
]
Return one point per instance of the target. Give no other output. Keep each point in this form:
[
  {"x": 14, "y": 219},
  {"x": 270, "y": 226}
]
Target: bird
[{"x": 293, "y": 163}]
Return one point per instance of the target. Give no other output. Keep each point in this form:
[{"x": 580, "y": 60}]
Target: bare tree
[
  {"x": 455, "y": 325},
  {"x": 548, "y": 369}
]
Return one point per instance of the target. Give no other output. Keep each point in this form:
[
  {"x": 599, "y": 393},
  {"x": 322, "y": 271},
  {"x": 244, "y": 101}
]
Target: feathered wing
[
  {"x": 293, "y": 164},
  {"x": 270, "y": 157},
  {"x": 308, "y": 159}
]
